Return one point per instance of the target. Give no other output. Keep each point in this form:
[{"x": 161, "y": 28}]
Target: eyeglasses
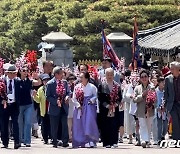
[
  {"x": 24, "y": 70},
  {"x": 142, "y": 77}
]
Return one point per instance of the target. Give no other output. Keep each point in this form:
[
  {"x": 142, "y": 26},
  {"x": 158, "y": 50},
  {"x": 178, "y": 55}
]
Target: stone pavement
[{"x": 39, "y": 148}]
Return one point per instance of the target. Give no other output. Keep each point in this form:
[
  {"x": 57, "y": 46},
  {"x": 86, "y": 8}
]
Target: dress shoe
[
  {"x": 55, "y": 146},
  {"x": 108, "y": 146},
  {"x": 17, "y": 146},
  {"x": 60, "y": 143},
  {"x": 65, "y": 145}
]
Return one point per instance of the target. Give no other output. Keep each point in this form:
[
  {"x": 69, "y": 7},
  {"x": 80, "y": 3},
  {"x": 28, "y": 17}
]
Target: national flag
[{"x": 108, "y": 51}]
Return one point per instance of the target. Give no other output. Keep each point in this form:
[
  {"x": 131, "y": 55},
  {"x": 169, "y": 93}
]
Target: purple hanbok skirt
[{"x": 85, "y": 129}]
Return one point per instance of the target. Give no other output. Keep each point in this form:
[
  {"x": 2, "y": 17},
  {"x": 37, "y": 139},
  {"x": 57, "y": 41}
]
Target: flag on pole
[
  {"x": 108, "y": 51},
  {"x": 135, "y": 46}
]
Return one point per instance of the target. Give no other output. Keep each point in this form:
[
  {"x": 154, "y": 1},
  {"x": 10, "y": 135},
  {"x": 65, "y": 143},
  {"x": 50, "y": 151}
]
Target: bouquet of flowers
[
  {"x": 150, "y": 99},
  {"x": 113, "y": 99},
  {"x": 79, "y": 94},
  {"x": 21, "y": 61},
  {"x": 31, "y": 59},
  {"x": 1, "y": 63},
  {"x": 3, "y": 91},
  {"x": 60, "y": 90},
  {"x": 93, "y": 72}
]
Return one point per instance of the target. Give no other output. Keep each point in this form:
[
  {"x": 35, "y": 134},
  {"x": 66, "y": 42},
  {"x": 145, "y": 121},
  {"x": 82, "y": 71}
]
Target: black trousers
[
  {"x": 12, "y": 111},
  {"x": 109, "y": 132},
  {"x": 54, "y": 121},
  {"x": 46, "y": 130},
  {"x": 175, "y": 113}
]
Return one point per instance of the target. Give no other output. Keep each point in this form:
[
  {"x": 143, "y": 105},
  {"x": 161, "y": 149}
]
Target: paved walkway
[{"x": 39, "y": 148}]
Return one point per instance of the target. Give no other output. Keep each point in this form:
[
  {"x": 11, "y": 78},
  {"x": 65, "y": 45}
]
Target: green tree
[{"x": 24, "y": 22}]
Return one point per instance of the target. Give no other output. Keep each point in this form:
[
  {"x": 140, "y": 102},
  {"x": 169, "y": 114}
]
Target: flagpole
[{"x": 135, "y": 44}]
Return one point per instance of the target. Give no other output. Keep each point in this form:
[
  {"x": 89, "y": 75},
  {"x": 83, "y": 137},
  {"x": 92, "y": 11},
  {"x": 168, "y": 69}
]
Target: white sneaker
[
  {"x": 155, "y": 143},
  {"x": 114, "y": 146},
  {"x": 91, "y": 144},
  {"x": 120, "y": 140},
  {"x": 148, "y": 145},
  {"x": 130, "y": 141},
  {"x": 87, "y": 145}
]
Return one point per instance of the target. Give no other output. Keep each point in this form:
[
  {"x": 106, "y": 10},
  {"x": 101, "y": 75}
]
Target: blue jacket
[{"x": 52, "y": 97}]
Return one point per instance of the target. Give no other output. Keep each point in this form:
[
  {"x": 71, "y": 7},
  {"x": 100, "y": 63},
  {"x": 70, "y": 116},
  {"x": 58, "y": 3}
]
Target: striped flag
[{"x": 108, "y": 51}]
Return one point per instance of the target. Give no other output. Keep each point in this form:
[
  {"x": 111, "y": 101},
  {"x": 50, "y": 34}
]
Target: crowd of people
[{"x": 84, "y": 109}]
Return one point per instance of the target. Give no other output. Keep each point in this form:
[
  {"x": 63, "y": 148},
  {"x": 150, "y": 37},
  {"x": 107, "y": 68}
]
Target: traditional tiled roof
[
  {"x": 57, "y": 36},
  {"x": 161, "y": 40},
  {"x": 119, "y": 37}
]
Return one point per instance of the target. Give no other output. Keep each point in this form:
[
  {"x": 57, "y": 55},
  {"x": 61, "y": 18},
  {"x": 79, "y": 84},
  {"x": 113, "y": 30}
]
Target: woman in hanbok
[
  {"x": 85, "y": 131},
  {"x": 110, "y": 98}
]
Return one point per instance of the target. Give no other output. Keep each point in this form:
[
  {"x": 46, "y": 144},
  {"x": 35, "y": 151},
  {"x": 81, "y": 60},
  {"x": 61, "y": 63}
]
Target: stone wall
[{"x": 61, "y": 55}]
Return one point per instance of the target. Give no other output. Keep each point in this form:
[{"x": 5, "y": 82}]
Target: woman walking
[{"x": 85, "y": 131}]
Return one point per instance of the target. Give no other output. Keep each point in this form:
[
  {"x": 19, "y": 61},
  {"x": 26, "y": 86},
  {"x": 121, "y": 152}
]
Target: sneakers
[
  {"x": 148, "y": 145},
  {"x": 114, "y": 146},
  {"x": 87, "y": 145},
  {"x": 91, "y": 145},
  {"x": 138, "y": 143},
  {"x": 28, "y": 145},
  {"x": 120, "y": 140},
  {"x": 155, "y": 143},
  {"x": 143, "y": 144},
  {"x": 130, "y": 141}
]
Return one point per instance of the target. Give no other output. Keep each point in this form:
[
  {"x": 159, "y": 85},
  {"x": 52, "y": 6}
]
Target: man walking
[
  {"x": 172, "y": 98},
  {"x": 58, "y": 107},
  {"x": 12, "y": 109}
]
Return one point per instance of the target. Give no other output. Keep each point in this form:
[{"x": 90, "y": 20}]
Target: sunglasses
[
  {"x": 24, "y": 70},
  {"x": 72, "y": 79},
  {"x": 142, "y": 77}
]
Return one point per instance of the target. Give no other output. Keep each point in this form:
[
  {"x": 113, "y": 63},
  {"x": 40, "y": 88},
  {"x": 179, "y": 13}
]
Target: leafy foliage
[{"x": 24, "y": 22}]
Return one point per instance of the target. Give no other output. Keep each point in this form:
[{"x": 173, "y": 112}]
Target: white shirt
[
  {"x": 11, "y": 96},
  {"x": 133, "y": 106},
  {"x": 89, "y": 90}
]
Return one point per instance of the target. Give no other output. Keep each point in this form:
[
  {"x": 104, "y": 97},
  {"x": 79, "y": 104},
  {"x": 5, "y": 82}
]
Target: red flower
[
  {"x": 79, "y": 94},
  {"x": 114, "y": 94},
  {"x": 31, "y": 59},
  {"x": 60, "y": 90},
  {"x": 114, "y": 97},
  {"x": 3, "y": 90},
  {"x": 150, "y": 99}
]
